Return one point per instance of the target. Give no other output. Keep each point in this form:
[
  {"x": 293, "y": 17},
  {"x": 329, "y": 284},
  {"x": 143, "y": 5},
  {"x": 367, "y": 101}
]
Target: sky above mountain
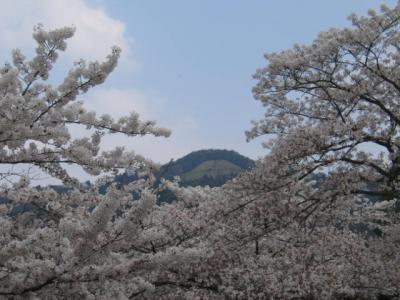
[{"x": 187, "y": 64}]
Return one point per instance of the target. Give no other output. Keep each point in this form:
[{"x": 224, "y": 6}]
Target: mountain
[{"x": 206, "y": 167}]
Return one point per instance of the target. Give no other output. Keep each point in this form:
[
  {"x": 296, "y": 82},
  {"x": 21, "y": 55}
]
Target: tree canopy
[{"x": 316, "y": 218}]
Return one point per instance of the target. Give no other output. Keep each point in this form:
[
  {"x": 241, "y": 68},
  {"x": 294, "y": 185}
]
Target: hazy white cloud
[
  {"x": 95, "y": 33},
  {"x": 158, "y": 149},
  {"x": 120, "y": 102}
]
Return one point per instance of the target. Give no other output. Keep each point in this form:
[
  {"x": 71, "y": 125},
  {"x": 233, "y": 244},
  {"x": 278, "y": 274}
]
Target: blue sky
[{"x": 187, "y": 64}]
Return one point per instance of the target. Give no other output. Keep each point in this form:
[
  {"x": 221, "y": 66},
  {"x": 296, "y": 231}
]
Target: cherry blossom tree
[
  {"x": 79, "y": 244},
  {"x": 332, "y": 109},
  {"x": 318, "y": 217},
  {"x": 327, "y": 100}
]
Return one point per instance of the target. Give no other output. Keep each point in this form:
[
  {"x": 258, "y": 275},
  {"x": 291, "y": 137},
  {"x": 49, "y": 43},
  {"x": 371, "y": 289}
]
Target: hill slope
[
  {"x": 207, "y": 167},
  {"x": 212, "y": 168}
]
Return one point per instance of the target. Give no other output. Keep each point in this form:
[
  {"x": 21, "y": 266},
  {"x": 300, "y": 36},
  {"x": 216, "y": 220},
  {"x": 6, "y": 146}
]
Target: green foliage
[
  {"x": 213, "y": 169},
  {"x": 194, "y": 159}
]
